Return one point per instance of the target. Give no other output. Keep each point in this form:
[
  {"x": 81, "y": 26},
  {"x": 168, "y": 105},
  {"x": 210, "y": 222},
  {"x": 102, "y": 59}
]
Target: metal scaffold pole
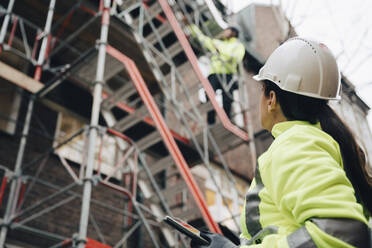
[
  {"x": 12, "y": 199},
  {"x": 13, "y": 194},
  {"x": 6, "y": 22},
  {"x": 93, "y": 130}
]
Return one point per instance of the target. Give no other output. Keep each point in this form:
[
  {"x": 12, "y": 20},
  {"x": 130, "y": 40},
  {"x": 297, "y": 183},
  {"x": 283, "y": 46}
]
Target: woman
[{"x": 311, "y": 187}]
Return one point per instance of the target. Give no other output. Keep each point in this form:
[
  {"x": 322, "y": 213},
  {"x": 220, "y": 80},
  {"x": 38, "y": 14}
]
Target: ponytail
[
  {"x": 298, "y": 107},
  {"x": 352, "y": 155}
]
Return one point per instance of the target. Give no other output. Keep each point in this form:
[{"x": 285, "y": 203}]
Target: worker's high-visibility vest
[
  {"x": 300, "y": 196},
  {"x": 226, "y": 54}
]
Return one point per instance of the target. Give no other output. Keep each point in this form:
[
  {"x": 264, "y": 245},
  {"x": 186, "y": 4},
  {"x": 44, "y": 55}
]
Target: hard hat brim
[{"x": 258, "y": 78}]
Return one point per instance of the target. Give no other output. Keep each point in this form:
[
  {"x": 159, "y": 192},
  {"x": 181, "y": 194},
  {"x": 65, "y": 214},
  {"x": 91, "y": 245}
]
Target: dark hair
[
  {"x": 235, "y": 30},
  {"x": 299, "y": 107}
]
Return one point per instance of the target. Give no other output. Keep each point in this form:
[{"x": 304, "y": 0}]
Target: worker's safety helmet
[{"x": 303, "y": 67}]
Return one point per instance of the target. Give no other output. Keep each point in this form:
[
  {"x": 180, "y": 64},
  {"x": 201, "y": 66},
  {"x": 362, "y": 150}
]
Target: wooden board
[{"x": 19, "y": 78}]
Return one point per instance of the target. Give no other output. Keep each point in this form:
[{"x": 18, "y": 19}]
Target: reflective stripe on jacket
[
  {"x": 300, "y": 196},
  {"x": 226, "y": 54}
]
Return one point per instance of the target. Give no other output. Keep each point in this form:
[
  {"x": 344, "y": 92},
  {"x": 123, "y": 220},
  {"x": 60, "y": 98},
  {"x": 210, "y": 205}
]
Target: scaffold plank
[
  {"x": 173, "y": 50},
  {"x": 124, "y": 92},
  {"x": 130, "y": 120},
  {"x": 87, "y": 71},
  {"x": 162, "y": 31},
  {"x": 148, "y": 141},
  {"x": 161, "y": 165},
  {"x": 19, "y": 78}
]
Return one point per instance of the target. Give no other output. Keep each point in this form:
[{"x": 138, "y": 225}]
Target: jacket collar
[
  {"x": 232, "y": 39},
  {"x": 281, "y": 127}
]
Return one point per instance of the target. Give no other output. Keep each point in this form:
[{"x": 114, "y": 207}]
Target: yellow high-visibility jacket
[
  {"x": 300, "y": 196},
  {"x": 226, "y": 54}
]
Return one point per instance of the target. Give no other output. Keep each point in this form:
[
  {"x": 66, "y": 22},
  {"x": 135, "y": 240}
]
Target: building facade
[{"x": 135, "y": 180}]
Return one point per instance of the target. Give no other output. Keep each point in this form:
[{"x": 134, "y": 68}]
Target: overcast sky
[{"x": 344, "y": 26}]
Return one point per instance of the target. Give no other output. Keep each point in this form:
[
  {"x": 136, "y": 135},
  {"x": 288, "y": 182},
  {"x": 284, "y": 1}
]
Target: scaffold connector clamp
[{"x": 76, "y": 240}]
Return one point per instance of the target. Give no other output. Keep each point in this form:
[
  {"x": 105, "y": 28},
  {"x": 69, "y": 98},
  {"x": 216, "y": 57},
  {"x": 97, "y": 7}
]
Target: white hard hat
[{"x": 303, "y": 67}]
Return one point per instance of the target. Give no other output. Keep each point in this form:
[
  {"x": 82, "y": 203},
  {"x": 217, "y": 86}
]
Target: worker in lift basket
[
  {"x": 227, "y": 53},
  {"x": 311, "y": 187}
]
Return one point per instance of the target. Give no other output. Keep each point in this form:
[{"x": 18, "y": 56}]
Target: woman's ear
[{"x": 272, "y": 101}]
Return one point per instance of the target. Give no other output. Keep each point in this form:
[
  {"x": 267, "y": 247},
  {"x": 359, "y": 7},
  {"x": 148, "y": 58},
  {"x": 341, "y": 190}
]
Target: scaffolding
[{"x": 149, "y": 23}]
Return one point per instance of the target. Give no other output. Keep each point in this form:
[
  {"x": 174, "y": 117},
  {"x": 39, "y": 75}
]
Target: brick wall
[{"x": 63, "y": 221}]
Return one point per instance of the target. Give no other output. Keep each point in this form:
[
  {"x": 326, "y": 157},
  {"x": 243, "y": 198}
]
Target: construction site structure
[{"x": 103, "y": 120}]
